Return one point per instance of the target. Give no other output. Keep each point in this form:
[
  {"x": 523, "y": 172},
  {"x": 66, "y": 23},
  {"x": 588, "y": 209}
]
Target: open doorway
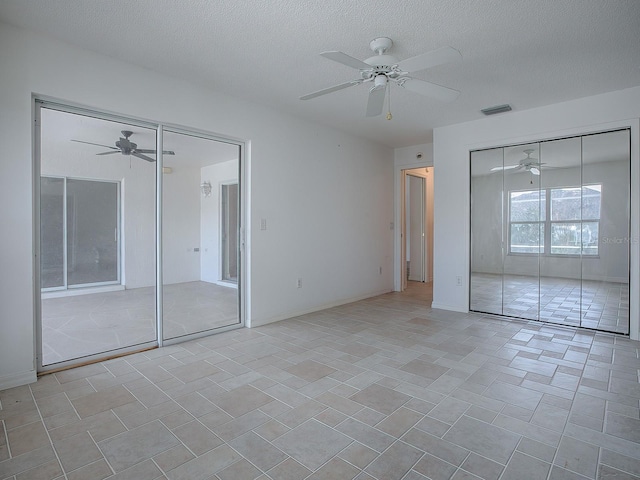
[{"x": 417, "y": 234}]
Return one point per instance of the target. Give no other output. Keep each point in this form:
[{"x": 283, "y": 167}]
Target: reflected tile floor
[
  {"x": 590, "y": 304},
  {"x": 385, "y": 388},
  {"x": 80, "y": 325}
]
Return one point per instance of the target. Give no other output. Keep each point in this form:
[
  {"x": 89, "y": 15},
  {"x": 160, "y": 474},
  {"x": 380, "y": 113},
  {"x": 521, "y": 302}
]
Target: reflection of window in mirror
[{"x": 573, "y": 220}]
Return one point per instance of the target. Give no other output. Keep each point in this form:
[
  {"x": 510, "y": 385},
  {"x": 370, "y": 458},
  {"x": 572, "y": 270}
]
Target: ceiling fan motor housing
[
  {"x": 382, "y": 63},
  {"x": 381, "y": 44}
]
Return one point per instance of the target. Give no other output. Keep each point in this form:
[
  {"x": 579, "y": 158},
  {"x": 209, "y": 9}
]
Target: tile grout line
[
  {"x": 564, "y": 428},
  {"x": 598, "y": 463},
  {"x": 101, "y": 453},
  {"x": 55, "y": 451},
  {"x": 6, "y": 437}
]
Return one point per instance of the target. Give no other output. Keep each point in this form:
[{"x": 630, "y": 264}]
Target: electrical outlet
[
  {"x": 299, "y": 283},
  {"x": 458, "y": 280},
  {"x": 263, "y": 224}
]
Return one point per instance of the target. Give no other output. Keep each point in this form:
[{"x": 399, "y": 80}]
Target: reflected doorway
[
  {"x": 79, "y": 230},
  {"x": 229, "y": 232},
  {"x": 417, "y": 231}
]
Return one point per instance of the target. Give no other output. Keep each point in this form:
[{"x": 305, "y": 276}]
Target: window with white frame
[{"x": 555, "y": 221}]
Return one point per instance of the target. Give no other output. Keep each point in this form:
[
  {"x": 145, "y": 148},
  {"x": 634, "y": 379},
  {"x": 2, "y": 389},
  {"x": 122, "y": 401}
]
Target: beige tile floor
[
  {"x": 386, "y": 388},
  {"x": 589, "y": 304},
  {"x": 77, "y": 326}
]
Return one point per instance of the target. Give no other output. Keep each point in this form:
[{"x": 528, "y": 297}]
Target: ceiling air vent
[{"x": 496, "y": 109}]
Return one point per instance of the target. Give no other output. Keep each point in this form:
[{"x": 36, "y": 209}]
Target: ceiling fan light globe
[{"x": 380, "y": 81}]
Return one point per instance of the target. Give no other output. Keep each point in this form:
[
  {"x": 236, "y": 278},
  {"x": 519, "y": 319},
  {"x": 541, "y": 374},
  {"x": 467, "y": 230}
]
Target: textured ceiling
[{"x": 527, "y": 53}]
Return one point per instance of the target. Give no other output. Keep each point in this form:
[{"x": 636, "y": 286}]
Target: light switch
[{"x": 263, "y": 224}]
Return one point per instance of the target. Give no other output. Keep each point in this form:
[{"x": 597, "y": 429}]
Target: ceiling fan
[
  {"x": 127, "y": 147},
  {"x": 529, "y": 164},
  {"x": 383, "y": 69}
]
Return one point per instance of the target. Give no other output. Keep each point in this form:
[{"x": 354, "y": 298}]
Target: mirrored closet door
[
  {"x": 136, "y": 249},
  {"x": 550, "y": 226}
]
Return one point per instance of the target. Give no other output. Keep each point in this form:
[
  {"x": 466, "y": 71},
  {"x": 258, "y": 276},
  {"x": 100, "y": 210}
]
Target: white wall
[
  {"x": 225, "y": 172},
  {"x": 451, "y": 148},
  {"x": 415, "y": 156},
  {"x": 327, "y": 196}
]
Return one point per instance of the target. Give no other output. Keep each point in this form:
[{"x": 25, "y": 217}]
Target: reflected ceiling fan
[
  {"x": 127, "y": 147},
  {"x": 382, "y": 69},
  {"x": 529, "y": 164}
]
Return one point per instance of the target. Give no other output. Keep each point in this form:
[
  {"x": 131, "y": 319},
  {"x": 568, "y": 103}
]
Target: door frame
[
  {"x": 423, "y": 225},
  {"x": 222, "y": 230},
  {"x": 422, "y": 160}
]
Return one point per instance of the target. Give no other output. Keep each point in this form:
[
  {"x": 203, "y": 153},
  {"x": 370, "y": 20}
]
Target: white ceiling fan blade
[
  {"x": 430, "y": 59},
  {"x": 376, "y": 101},
  {"x": 330, "y": 89},
  {"x": 345, "y": 59},
  {"x": 444, "y": 94},
  {"x": 508, "y": 167},
  {"x": 109, "y": 153}
]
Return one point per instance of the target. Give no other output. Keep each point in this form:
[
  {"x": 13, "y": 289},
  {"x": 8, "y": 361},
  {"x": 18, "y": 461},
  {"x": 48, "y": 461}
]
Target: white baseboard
[
  {"x": 451, "y": 308},
  {"x": 72, "y": 292},
  {"x": 18, "y": 379},
  {"x": 264, "y": 321}
]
